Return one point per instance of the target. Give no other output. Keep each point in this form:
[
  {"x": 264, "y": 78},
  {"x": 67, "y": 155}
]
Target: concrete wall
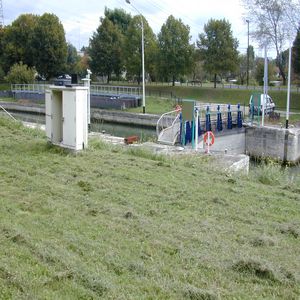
[
  {"x": 124, "y": 117},
  {"x": 229, "y": 141},
  {"x": 277, "y": 143},
  {"x": 6, "y": 94},
  {"x": 23, "y": 108}
]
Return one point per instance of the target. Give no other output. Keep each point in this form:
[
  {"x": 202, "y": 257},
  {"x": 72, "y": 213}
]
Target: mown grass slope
[
  {"x": 225, "y": 95},
  {"x": 122, "y": 223}
]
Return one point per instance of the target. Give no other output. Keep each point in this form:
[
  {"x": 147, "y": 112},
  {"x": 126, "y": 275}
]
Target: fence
[
  {"x": 115, "y": 90},
  {"x": 32, "y": 88},
  {"x": 95, "y": 89},
  {"x": 294, "y": 88}
]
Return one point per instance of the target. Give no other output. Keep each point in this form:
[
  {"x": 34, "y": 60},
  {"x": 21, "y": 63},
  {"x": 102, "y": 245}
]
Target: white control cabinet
[{"x": 66, "y": 116}]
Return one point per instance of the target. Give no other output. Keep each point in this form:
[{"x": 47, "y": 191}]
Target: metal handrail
[
  {"x": 118, "y": 90},
  {"x": 8, "y": 113},
  {"x": 95, "y": 89},
  {"x": 166, "y": 120},
  {"x": 21, "y": 87}
]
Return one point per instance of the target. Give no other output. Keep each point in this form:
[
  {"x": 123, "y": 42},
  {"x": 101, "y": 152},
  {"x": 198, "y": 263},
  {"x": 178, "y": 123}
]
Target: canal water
[{"x": 144, "y": 133}]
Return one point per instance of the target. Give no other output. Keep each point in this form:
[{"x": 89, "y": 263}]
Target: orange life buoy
[{"x": 209, "y": 138}]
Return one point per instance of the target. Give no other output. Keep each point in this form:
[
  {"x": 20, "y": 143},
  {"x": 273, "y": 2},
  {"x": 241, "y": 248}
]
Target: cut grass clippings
[{"x": 122, "y": 223}]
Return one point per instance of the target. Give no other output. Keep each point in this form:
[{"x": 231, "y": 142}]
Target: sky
[{"x": 81, "y": 18}]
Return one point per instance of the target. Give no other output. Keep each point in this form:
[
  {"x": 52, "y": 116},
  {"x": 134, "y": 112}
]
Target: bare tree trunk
[
  {"x": 280, "y": 65},
  {"x": 173, "y": 80},
  {"x": 281, "y": 71},
  {"x": 215, "y": 81}
]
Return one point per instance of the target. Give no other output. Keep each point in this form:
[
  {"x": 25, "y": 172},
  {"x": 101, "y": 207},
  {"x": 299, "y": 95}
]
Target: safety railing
[
  {"x": 95, "y": 89},
  {"x": 213, "y": 109},
  {"x": 9, "y": 114},
  {"x": 33, "y": 88},
  {"x": 115, "y": 90},
  {"x": 168, "y": 127}
]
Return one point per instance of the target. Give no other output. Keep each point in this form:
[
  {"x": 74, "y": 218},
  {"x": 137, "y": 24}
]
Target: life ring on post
[{"x": 209, "y": 138}]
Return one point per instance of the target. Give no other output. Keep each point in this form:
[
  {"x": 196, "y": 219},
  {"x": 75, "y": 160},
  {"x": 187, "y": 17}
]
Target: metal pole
[
  {"x": 289, "y": 89},
  {"x": 196, "y": 129},
  {"x": 248, "y": 55},
  {"x": 143, "y": 67},
  {"x": 143, "y": 56},
  {"x": 265, "y": 87}
]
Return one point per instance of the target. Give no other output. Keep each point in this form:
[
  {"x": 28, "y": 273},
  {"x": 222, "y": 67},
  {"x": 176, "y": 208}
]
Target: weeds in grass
[
  {"x": 145, "y": 153},
  {"x": 290, "y": 229},
  {"x": 85, "y": 186},
  {"x": 270, "y": 173},
  {"x": 262, "y": 241},
  {"x": 194, "y": 293},
  {"x": 256, "y": 268}
]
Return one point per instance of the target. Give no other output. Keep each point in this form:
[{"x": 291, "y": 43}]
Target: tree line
[{"x": 37, "y": 45}]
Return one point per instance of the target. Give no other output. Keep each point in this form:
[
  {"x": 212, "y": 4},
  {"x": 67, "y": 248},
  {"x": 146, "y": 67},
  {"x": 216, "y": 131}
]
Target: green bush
[{"x": 20, "y": 73}]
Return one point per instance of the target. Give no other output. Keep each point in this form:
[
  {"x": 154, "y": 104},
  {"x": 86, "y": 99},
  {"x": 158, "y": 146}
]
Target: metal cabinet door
[{"x": 69, "y": 118}]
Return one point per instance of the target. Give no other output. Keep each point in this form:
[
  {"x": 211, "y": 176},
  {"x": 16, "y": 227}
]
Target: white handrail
[
  {"x": 106, "y": 89},
  {"x": 164, "y": 118},
  {"x": 8, "y": 113}
]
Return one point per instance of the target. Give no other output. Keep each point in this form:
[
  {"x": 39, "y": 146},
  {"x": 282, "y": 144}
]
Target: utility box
[{"x": 66, "y": 116}]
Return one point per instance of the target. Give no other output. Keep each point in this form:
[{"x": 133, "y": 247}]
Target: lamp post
[
  {"x": 289, "y": 88},
  {"x": 248, "y": 55},
  {"x": 143, "y": 56}
]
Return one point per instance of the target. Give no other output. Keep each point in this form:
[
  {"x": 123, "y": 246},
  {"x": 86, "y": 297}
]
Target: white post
[
  {"x": 87, "y": 82},
  {"x": 289, "y": 89},
  {"x": 265, "y": 87}
]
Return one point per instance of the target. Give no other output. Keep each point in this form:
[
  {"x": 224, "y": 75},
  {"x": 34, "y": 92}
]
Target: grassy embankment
[
  {"x": 158, "y": 105},
  {"x": 226, "y": 95},
  {"x": 121, "y": 223}
]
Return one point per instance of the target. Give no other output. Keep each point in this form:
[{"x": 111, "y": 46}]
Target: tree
[
  {"x": 218, "y": 48},
  {"x": 49, "y": 46},
  {"x": 133, "y": 49},
  {"x": 72, "y": 60},
  {"x": 21, "y": 73},
  {"x": 274, "y": 21},
  {"x": 296, "y": 54},
  {"x": 17, "y": 41},
  {"x": 197, "y": 70},
  {"x": 175, "y": 50},
  {"x": 259, "y": 72},
  {"x": 243, "y": 64},
  {"x": 105, "y": 49},
  {"x": 118, "y": 17}
]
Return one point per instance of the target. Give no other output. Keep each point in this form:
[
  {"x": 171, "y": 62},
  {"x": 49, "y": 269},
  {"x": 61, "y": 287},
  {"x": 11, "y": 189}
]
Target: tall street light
[
  {"x": 248, "y": 55},
  {"x": 143, "y": 55}
]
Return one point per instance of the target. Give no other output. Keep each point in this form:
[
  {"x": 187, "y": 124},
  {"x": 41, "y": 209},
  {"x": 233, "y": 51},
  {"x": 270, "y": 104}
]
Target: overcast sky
[{"x": 81, "y": 18}]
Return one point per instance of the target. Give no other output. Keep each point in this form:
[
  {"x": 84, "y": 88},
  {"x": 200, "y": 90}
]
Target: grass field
[{"x": 123, "y": 223}]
